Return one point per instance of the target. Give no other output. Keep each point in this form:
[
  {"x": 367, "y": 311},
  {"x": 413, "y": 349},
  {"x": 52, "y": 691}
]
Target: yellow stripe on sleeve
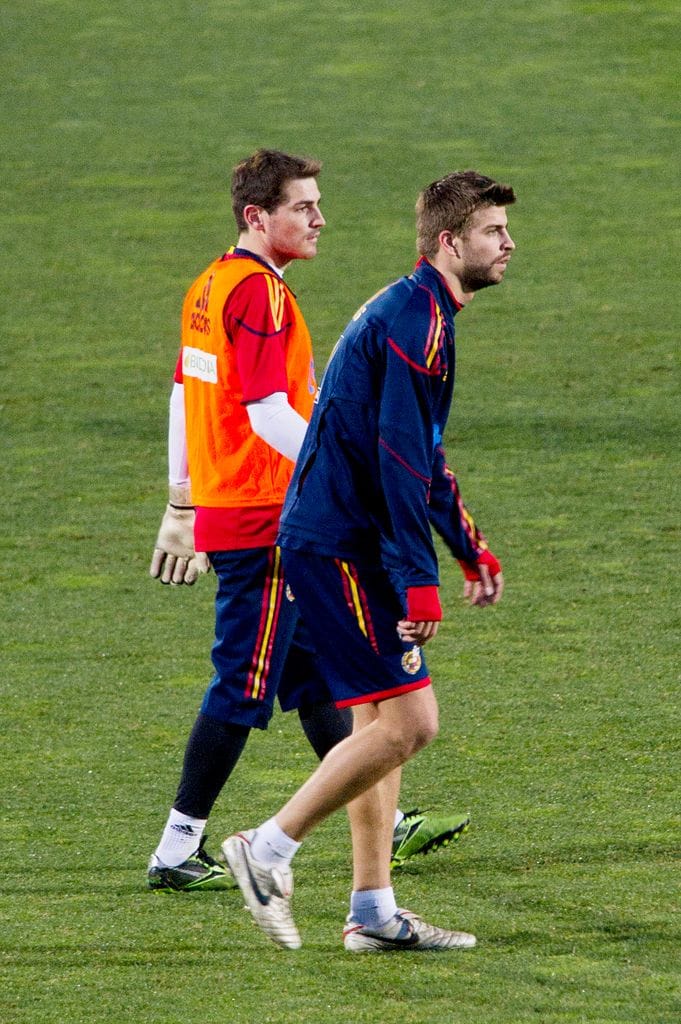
[
  {"x": 276, "y": 293},
  {"x": 437, "y": 334}
]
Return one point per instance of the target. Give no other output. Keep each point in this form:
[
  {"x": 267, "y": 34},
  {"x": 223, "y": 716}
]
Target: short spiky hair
[
  {"x": 261, "y": 180},
  {"x": 447, "y": 205}
]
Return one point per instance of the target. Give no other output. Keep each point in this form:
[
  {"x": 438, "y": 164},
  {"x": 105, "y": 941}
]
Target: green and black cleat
[
  {"x": 417, "y": 833},
  {"x": 199, "y": 873}
]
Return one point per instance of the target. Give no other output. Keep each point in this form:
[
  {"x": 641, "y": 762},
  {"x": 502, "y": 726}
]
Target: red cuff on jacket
[
  {"x": 486, "y": 558},
  {"x": 423, "y": 604},
  {"x": 492, "y": 563}
]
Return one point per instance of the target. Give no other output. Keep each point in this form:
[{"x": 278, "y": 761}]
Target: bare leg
[
  {"x": 401, "y": 727},
  {"x": 372, "y": 821}
]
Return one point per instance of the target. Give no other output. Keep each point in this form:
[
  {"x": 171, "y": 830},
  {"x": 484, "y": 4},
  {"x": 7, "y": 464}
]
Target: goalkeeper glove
[{"x": 174, "y": 560}]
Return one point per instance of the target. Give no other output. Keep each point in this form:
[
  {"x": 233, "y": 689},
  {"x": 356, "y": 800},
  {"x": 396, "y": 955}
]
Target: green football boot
[
  {"x": 418, "y": 833},
  {"x": 199, "y": 873}
]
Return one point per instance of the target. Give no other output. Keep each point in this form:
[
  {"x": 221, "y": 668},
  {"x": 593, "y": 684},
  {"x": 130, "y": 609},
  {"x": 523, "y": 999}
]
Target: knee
[
  {"x": 425, "y": 733},
  {"x": 419, "y": 734}
]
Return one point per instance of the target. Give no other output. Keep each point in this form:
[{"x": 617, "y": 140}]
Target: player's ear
[
  {"x": 449, "y": 242},
  {"x": 253, "y": 215}
]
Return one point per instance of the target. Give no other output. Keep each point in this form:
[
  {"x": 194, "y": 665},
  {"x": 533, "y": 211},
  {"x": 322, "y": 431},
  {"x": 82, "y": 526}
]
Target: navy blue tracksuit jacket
[{"x": 371, "y": 476}]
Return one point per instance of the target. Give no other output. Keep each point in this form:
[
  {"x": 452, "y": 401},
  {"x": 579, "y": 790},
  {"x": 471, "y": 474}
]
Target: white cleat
[
  {"x": 403, "y": 931},
  {"x": 267, "y": 891}
]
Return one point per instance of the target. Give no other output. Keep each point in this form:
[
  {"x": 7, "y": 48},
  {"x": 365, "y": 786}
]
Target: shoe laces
[{"x": 414, "y": 813}]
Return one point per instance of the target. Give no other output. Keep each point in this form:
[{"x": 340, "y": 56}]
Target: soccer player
[
  {"x": 359, "y": 556},
  {"x": 243, "y": 394}
]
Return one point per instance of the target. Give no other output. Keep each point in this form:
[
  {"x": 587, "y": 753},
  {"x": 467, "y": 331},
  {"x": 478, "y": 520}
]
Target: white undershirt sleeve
[
  {"x": 278, "y": 424},
  {"x": 178, "y": 466}
]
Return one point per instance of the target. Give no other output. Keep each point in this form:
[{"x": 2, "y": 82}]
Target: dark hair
[
  {"x": 447, "y": 205},
  {"x": 261, "y": 180}
]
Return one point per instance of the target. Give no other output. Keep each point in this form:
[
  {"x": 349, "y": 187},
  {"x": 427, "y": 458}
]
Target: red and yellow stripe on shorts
[
  {"x": 273, "y": 592},
  {"x": 356, "y": 600}
]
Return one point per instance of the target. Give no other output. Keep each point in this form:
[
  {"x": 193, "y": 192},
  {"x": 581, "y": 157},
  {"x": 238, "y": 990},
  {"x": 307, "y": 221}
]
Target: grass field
[{"x": 560, "y": 724}]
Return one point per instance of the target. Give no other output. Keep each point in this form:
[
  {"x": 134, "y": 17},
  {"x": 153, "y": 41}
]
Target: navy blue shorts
[
  {"x": 351, "y": 614},
  {"x": 261, "y": 647}
]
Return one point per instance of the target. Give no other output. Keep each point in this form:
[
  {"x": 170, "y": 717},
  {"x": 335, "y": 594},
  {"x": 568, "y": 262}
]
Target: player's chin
[
  {"x": 495, "y": 276},
  {"x": 307, "y": 252}
]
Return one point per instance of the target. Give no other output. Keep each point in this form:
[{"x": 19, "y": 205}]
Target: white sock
[
  {"x": 272, "y": 846},
  {"x": 180, "y": 839},
  {"x": 398, "y": 816},
  {"x": 373, "y": 907}
]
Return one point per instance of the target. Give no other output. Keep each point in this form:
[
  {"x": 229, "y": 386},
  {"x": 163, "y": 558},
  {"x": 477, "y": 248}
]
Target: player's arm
[
  {"x": 278, "y": 424},
  {"x": 174, "y": 560},
  {"x": 258, "y": 320},
  {"x": 483, "y": 578}
]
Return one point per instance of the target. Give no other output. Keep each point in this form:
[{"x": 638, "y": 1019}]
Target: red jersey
[{"x": 243, "y": 338}]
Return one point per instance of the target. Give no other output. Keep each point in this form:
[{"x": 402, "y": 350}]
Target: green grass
[{"x": 559, "y": 708}]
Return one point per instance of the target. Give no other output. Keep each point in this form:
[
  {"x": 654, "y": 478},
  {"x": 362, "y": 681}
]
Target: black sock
[
  {"x": 212, "y": 751},
  {"x": 325, "y": 725}
]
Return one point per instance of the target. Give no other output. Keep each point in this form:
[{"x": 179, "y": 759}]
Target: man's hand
[
  {"x": 174, "y": 560},
  {"x": 423, "y": 615},
  {"x": 416, "y": 632},
  {"x": 484, "y": 580}
]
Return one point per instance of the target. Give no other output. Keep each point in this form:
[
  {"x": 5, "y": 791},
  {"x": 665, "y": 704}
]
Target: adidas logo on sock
[{"x": 184, "y": 830}]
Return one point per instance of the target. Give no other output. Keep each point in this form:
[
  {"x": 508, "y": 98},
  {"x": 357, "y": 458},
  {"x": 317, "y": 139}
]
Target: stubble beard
[{"x": 474, "y": 279}]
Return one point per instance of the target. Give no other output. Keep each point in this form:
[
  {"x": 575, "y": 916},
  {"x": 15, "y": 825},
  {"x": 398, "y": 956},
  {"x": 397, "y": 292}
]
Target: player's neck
[
  {"x": 255, "y": 244},
  {"x": 443, "y": 264}
]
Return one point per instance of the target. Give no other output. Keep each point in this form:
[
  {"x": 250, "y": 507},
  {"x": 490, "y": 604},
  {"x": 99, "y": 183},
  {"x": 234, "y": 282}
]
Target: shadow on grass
[
  {"x": 597, "y": 941},
  {"x": 584, "y": 852},
  {"x": 82, "y": 879}
]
